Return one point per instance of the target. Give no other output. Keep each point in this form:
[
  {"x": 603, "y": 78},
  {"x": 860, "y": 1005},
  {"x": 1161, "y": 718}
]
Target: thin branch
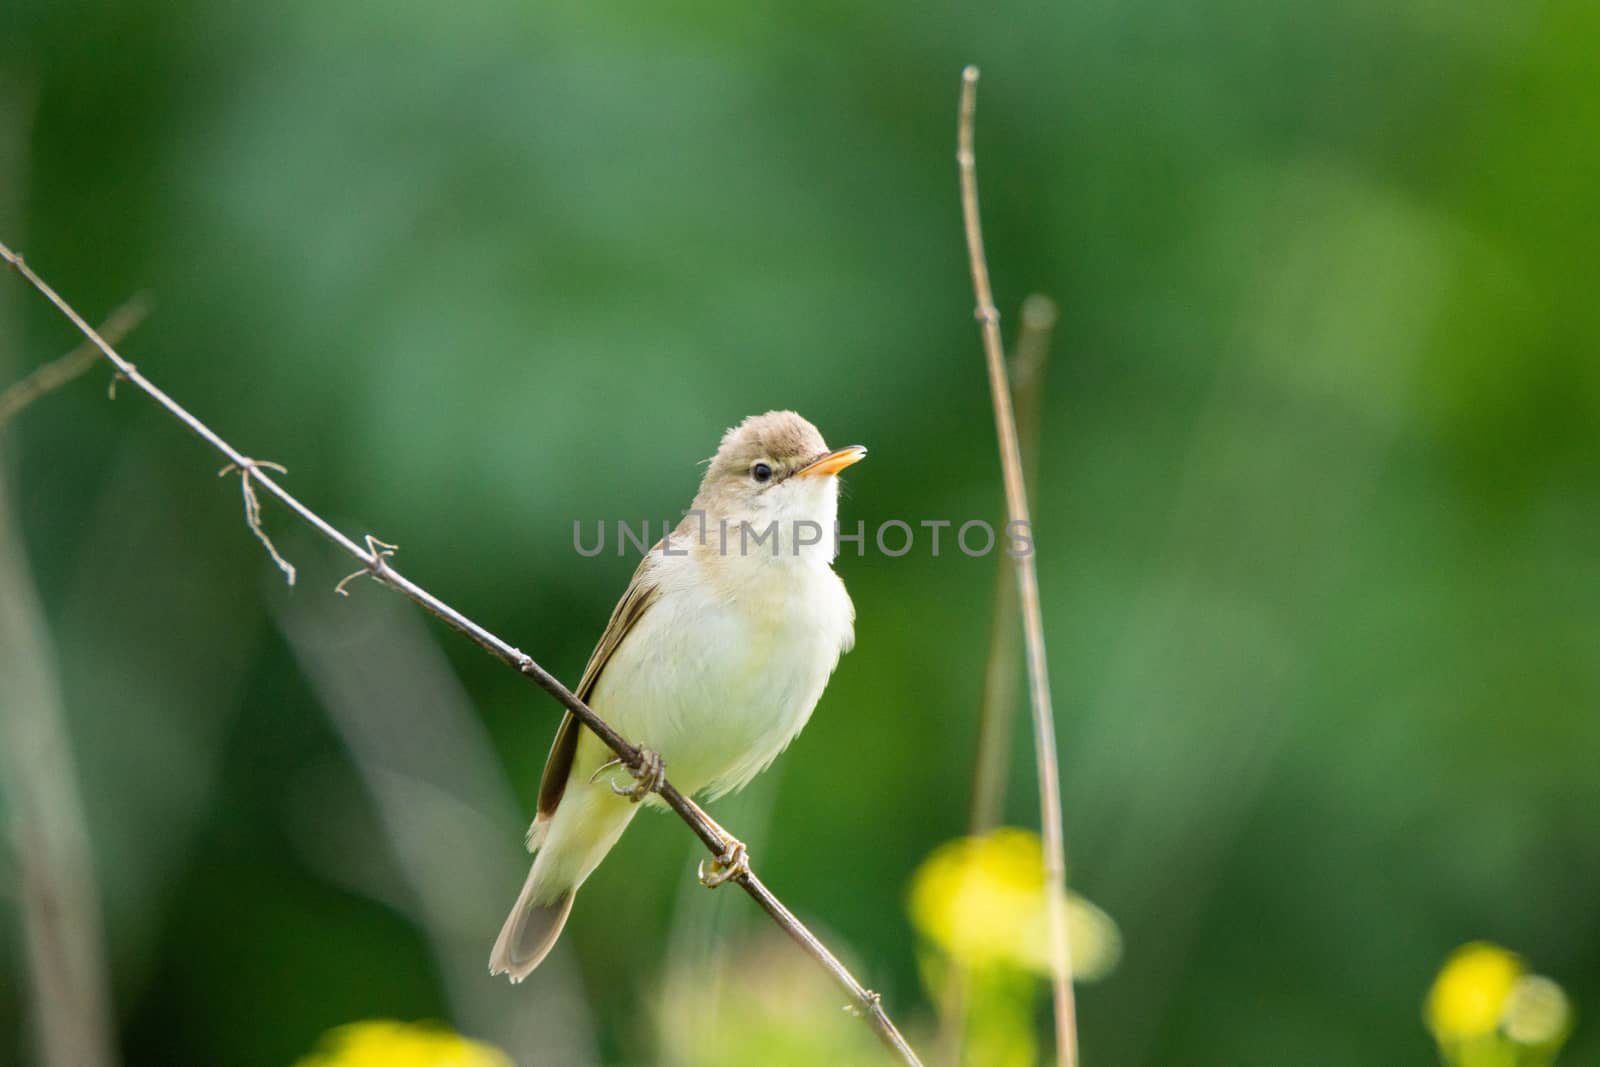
[
  {"x": 59, "y": 372},
  {"x": 375, "y": 563},
  {"x": 1044, "y": 730}
]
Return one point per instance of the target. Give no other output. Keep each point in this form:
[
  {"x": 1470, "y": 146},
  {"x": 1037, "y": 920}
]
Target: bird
[{"x": 711, "y": 663}]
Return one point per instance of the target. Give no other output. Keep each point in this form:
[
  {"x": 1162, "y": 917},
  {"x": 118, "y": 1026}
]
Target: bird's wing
[{"x": 642, "y": 592}]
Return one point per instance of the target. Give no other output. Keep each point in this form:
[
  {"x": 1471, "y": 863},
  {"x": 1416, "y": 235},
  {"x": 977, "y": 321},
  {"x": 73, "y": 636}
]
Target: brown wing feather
[{"x": 642, "y": 592}]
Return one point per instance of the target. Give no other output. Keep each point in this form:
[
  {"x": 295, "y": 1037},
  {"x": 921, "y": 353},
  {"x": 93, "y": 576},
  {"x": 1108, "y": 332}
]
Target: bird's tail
[
  {"x": 576, "y": 838},
  {"x": 530, "y": 931}
]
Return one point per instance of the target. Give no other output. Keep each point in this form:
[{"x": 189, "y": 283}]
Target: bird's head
[{"x": 775, "y": 468}]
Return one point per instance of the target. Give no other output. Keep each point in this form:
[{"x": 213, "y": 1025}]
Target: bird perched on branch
[{"x": 712, "y": 662}]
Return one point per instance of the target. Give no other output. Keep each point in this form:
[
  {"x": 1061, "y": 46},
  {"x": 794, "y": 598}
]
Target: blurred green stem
[
  {"x": 55, "y": 374},
  {"x": 57, "y": 902},
  {"x": 1000, "y": 676},
  {"x": 440, "y": 806}
]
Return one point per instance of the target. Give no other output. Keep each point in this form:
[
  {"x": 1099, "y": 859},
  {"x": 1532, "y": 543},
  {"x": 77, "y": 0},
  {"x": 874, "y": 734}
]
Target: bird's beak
[{"x": 833, "y": 462}]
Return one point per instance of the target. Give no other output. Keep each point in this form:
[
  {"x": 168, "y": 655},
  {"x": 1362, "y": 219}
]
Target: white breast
[{"x": 725, "y": 667}]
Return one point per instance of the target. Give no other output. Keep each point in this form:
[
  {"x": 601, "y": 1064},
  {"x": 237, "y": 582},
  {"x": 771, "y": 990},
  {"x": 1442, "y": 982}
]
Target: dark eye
[{"x": 761, "y": 472}]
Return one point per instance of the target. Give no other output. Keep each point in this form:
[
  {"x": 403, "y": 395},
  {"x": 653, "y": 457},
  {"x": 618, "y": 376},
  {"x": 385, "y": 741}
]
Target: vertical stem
[{"x": 1044, "y": 731}]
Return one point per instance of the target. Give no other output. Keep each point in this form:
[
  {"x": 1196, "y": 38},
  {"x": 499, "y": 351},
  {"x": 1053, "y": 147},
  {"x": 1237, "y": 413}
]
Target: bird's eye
[{"x": 761, "y": 472}]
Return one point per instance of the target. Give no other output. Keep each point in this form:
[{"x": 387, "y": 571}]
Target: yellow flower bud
[
  {"x": 982, "y": 901},
  {"x": 386, "y": 1043},
  {"x": 1469, "y": 995}
]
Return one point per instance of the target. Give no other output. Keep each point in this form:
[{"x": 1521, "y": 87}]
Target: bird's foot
[
  {"x": 733, "y": 863},
  {"x": 647, "y": 778}
]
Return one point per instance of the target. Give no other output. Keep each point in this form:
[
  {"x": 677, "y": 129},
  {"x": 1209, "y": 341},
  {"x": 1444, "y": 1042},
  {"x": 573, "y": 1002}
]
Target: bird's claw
[
  {"x": 646, "y": 779},
  {"x": 733, "y": 863}
]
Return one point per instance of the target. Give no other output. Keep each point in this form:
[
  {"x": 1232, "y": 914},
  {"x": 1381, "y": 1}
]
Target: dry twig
[
  {"x": 252, "y": 511},
  {"x": 1044, "y": 730},
  {"x": 59, "y": 372},
  {"x": 374, "y": 562}
]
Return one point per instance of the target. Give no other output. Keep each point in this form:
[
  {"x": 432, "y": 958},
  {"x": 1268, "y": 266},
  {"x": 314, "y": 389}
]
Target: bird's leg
[
  {"x": 647, "y": 778},
  {"x": 734, "y": 861}
]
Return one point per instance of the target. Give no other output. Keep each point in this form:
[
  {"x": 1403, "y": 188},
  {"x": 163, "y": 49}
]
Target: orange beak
[{"x": 833, "y": 462}]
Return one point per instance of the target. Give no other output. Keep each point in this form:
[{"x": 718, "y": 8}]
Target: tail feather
[
  {"x": 530, "y": 933},
  {"x": 571, "y": 843}
]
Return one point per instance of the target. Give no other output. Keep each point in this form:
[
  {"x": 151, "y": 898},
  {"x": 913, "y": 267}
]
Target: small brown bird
[{"x": 713, "y": 661}]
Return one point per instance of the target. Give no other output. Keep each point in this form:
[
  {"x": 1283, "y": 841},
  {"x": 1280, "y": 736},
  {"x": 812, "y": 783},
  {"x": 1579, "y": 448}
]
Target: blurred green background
[{"x": 1316, "y": 518}]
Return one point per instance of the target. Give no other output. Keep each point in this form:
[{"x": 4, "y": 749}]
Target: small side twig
[
  {"x": 380, "y": 552},
  {"x": 252, "y": 507},
  {"x": 59, "y": 372},
  {"x": 373, "y": 561},
  {"x": 1044, "y": 730}
]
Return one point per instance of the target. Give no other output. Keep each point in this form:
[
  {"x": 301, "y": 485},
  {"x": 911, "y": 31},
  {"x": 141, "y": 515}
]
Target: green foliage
[{"x": 1316, "y": 511}]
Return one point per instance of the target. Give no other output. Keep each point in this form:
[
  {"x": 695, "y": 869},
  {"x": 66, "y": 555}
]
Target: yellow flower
[
  {"x": 1486, "y": 1011},
  {"x": 982, "y": 901},
  {"x": 1470, "y": 994},
  {"x": 386, "y": 1043}
]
